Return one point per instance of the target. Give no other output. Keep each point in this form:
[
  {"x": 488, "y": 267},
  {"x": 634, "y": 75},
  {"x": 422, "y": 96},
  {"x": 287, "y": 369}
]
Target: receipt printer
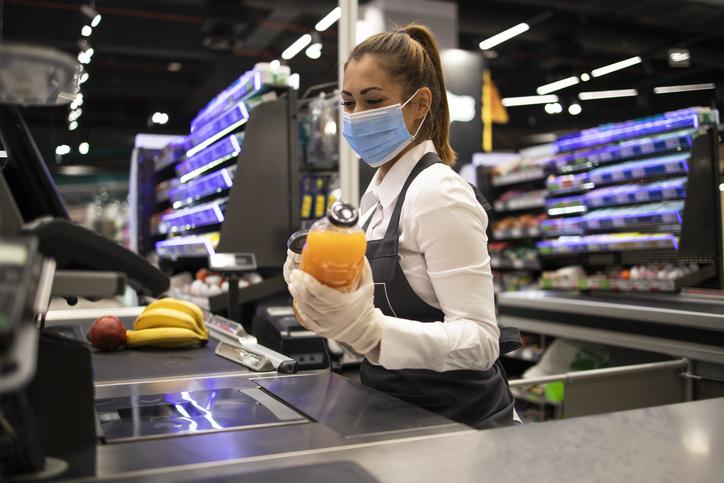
[{"x": 277, "y": 328}]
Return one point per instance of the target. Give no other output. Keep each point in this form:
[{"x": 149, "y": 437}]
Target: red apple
[{"x": 108, "y": 333}]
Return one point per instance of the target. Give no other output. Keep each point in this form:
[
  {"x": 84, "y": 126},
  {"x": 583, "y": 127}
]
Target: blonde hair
[{"x": 411, "y": 55}]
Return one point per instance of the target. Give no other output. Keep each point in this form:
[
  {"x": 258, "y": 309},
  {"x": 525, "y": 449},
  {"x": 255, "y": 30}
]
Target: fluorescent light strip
[
  {"x": 557, "y": 85},
  {"x": 497, "y": 39},
  {"x": 329, "y": 20},
  {"x": 528, "y": 100},
  {"x": 615, "y": 66},
  {"x": 297, "y": 46},
  {"x": 3, "y": 154},
  {"x": 684, "y": 88},
  {"x": 594, "y": 95}
]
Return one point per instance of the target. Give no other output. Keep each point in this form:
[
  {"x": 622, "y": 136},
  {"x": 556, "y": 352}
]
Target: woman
[{"x": 424, "y": 313}]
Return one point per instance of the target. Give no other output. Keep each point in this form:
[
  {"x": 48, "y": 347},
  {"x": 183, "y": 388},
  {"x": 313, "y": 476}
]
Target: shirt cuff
[{"x": 409, "y": 344}]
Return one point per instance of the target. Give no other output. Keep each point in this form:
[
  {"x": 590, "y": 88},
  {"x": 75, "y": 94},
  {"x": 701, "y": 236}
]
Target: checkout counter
[{"x": 190, "y": 415}]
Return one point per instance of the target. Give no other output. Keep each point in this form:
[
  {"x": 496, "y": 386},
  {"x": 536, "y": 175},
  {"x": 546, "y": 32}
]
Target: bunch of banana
[{"x": 170, "y": 324}]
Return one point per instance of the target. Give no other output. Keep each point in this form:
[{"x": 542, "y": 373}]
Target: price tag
[
  {"x": 672, "y": 143},
  {"x": 605, "y": 156},
  {"x": 619, "y": 222},
  {"x": 673, "y": 167},
  {"x": 641, "y": 196},
  {"x": 499, "y": 206},
  {"x": 518, "y": 264},
  {"x": 618, "y": 175},
  {"x": 647, "y": 148},
  {"x": 516, "y": 233},
  {"x": 670, "y": 193},
  {"x": 638, "y": 172},
  {"x": 593, "y": 224},
  {"x": 627, "y": 152},
  {"x": 623, "y": 198}
]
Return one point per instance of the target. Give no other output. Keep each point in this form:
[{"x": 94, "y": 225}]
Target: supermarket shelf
[
  {"x": 605, "y": 243},
  {"x": 187, "y": 246},
  {"x": 216, "y": 129},
  {"x": 498, "y": 263},
  {"x": 690, "y": 118},
  {"x": 209, "y": 158},
  {"x": 614, "y": 285},
  {"x": 521, "y": 177},
  {"x": 517, "y": 233},
  {"x": 191, "y": 218},
  {"x": 627, "y": 194},
  {"x": 515, "y": 205},
  {"x": 197, "y": 189},
  {"x": 636, "y": 148}
]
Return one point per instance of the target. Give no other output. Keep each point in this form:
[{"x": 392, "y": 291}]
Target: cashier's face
[{"x": 367, "y": 85}]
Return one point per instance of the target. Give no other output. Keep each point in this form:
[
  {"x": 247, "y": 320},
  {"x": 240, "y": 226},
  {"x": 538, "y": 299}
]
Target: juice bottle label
[{"x": 335, "y": 258}]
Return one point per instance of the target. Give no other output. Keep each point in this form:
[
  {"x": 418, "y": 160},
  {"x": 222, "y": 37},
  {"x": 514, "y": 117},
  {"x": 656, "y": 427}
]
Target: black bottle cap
[
  {"x": 296, "y": 242},
  {"x": 342, "y": 214}
]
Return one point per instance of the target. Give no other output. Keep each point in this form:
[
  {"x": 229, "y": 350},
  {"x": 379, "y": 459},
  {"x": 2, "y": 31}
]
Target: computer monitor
[{"x": 25, "y": 171}]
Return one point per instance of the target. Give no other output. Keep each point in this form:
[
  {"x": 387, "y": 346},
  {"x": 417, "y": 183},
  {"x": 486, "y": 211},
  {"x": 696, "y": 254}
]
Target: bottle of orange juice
[{"x": 335, "y": 248}]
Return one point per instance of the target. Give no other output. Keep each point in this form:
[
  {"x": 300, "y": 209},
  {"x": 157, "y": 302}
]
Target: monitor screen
[{"x": 25, "y": 171}]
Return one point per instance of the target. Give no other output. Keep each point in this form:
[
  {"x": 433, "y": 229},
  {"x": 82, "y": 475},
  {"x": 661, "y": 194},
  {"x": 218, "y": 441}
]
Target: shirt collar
[{"x": 388, "y": 188}]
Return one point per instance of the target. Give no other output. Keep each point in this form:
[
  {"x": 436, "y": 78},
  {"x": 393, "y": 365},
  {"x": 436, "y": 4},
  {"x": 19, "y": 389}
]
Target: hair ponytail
[{"x": 411, "y": 55}]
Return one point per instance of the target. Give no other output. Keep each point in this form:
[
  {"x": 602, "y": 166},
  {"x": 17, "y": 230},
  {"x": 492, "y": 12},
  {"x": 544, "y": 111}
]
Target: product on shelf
[
  {"x": 516, "y": 199},
  {"x": 636, "y": 193},
  {"x": 662, "y": 212},
  {"x": 512, "y": 281},
  {"x": 204, "y": 284},
  {"x": 518, "y": 226},
  {"x": 508, "y": 255},
  {"x": 634, "y": 170},
  {"x": 658, "y": 276},
  {"x": 569, "y": 183},
  {"x": 608, "y": 242}
]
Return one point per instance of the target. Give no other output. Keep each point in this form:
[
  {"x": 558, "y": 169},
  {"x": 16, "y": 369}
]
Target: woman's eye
[
  {"x": 374, "y": 101},
  {"x": 347, "y": 103}
]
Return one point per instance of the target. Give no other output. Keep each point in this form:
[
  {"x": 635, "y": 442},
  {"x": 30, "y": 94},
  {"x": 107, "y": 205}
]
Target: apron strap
[{"x": 425, "y": 162}]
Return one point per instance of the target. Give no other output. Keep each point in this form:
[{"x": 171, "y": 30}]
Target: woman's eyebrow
[{"x": 364, "y": 91}]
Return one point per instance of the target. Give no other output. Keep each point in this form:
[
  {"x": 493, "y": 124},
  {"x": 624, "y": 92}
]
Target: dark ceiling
[{"x": 216, "y": 40}]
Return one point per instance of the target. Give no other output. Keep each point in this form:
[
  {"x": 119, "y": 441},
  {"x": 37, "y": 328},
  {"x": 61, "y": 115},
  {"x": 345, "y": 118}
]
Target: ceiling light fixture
[
  {"x": 83, "y": 148},
  {"x": 595, "y": 95},
  {"x": 174, "y": 66},
  {"x": 84, "y": 77},
  {"x": 297, "y": 46},
  {"x": 585, "y": 77},
  {"x": 92, "y": 14},
  {"x": 574, "y": 109},
  {"x": 329, "y": 20},
  {"x": 73, "y": 126},
  {"x": 528, "y": 100},
  {"x": 607, "y": 69},
  {"x": 159, "y": 118},
  {"x": 684, "y": 88},
  {"x": 75, "y": 115},
  {"x": 557, "y": 85},
  {"x": 293, "y": 81},
  {"x": 62, "y": 150},
  {"x": 275, "y": 64},
  {"x": 86, "y": 31},
  {"x": 497, "y": 39},
  {"x": 3, "y": 153},
  {"x": 314, "y": 51}
]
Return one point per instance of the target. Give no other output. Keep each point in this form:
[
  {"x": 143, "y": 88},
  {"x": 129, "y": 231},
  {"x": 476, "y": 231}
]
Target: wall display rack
[{"x": 636, "y": 195}]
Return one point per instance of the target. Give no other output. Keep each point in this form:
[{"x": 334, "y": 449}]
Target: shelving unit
[
  {"x": 635, "y": 192},
  {"x": 517, "y": 191}
]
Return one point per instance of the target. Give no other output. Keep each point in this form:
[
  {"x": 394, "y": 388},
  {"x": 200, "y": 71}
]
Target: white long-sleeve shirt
[{"x": 444, "y": 256}]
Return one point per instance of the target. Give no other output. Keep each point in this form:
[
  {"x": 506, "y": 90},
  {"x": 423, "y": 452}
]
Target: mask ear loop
[{"x": 423, "y": 117}]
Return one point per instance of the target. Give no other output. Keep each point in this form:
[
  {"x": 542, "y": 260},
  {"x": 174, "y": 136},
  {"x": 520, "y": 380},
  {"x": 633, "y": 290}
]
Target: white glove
[
  {"x": 348, "y": 317},
  {"x": 292, "y": 263}
]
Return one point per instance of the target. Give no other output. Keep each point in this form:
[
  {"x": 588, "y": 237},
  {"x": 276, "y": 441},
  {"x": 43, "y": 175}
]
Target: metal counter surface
[
  {"x": 682, "y": 442},
  {"x": 341, "y": 413},
  {"x": 680, "y": 325},
  {"x": 676, "y": 309}
]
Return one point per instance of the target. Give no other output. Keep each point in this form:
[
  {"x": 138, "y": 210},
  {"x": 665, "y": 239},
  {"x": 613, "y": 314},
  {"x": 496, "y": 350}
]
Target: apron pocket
[{"x": 434, "y": 401}]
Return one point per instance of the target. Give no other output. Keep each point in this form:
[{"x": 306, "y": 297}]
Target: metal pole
[
  {"x": 348, "y": 162},
  {"x": 569, "y": 377}
]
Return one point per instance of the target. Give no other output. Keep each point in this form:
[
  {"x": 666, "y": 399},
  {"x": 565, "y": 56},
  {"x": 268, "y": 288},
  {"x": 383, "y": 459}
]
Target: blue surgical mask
[{"x": 378, "y": 135}]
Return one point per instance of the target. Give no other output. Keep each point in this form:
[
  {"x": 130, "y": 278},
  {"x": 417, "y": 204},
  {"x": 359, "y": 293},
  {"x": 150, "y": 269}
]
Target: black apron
[{"x": 481, "y": 399}]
